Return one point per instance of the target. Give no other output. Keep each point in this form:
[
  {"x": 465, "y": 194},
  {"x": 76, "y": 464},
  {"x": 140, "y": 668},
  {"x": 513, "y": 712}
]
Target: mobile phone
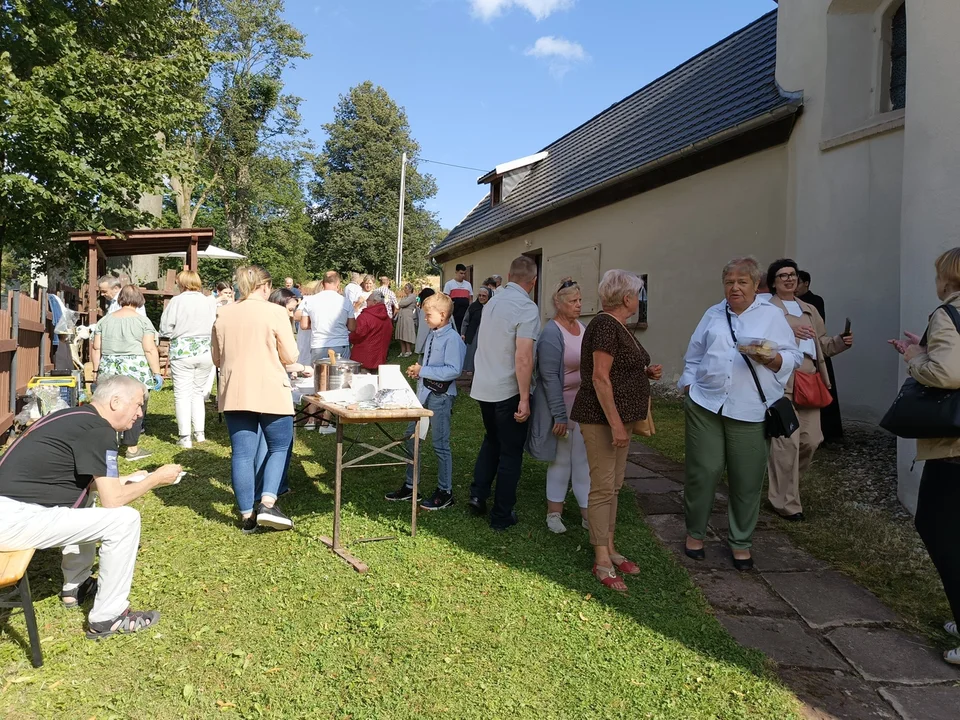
[
  {"x": 846, "y": 329},
  {"x": 179, "y": 477}
]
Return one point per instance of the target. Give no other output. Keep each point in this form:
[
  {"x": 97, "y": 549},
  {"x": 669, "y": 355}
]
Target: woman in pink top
[{"x": 553, "y": 437}]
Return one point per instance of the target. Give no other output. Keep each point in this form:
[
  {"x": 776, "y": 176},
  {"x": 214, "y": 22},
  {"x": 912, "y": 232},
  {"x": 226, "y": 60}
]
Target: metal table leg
[
  {"x": 416, "y": 479},
  {"x": 334, "y": 543}
]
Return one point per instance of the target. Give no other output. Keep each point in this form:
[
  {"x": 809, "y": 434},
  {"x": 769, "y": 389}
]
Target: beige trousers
[
  {"x": 607, "y": 466},
  {"x": 790, "y": 459}
]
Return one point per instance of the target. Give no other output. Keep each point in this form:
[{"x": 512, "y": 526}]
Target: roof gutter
[{"x": 791, "y": 108}]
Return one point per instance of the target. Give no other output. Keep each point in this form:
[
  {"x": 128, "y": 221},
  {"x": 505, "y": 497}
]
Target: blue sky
[{"x": 487, "y": 81}]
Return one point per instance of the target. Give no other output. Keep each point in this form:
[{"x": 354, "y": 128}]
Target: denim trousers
[
  {"x": 501, "y": 456},
  {"x": 442, "y": 406},
  {"x": 261, "y": 464},
  {"x": 245, "y": 429}
]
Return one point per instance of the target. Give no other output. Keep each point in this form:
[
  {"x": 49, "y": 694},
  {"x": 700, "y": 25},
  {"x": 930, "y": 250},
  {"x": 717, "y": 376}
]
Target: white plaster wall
[{"x": 931, "y": 210}]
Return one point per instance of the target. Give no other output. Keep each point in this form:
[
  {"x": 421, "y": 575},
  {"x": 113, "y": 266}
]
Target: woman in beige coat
[
  {"x": 790, "y": 457},
  {"x": 252, "y": 344},
  {"x": 934, "y": 361}
]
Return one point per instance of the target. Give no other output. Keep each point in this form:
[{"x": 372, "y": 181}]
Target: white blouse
[
  {"x": 809, "y": 346},
  {"x": 717, "y": 374}
]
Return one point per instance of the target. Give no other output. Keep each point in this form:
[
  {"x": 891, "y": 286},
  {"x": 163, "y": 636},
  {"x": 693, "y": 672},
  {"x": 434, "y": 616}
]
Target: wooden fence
[{"x": 25, "y": 349}]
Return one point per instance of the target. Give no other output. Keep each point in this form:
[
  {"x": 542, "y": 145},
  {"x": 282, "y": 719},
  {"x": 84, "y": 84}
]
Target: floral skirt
[
  {"x": 188, "y": 347},
  {"x": 135, "y": 366}
]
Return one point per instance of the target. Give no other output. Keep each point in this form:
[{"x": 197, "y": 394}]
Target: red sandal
[
  {"x": 627, "y": 567},
  {"x": 610, "y": 580}
]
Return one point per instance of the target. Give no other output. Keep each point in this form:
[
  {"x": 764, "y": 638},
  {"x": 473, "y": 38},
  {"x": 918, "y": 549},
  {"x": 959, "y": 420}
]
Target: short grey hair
[
  {"x": 616, "y": 285},
  {"x": 111, "y": 281},
  {"x": 375, "y": 297},
  {"x": 117, "y": 386},
  {"x": 747, "y": 265}
]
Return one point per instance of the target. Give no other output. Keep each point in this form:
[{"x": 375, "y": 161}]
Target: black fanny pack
[{"x": 436, "y": 386}]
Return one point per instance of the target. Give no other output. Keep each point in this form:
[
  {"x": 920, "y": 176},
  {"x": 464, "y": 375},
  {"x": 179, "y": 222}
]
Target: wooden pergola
[{"x": 164, "y": 241}]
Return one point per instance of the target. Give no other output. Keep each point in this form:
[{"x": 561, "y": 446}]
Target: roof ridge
[{"x": 665, "y": 75}]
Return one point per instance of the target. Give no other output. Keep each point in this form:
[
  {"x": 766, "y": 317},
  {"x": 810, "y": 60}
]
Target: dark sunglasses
[{"x": 568, "y": 283}]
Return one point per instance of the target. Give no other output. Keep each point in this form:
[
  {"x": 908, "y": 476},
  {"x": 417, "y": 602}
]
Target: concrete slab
[
  {"x": 737, "y": 593},
  {"x": 940, "y": 702},
  {"x": 828, "y": 599},
  {"x": 835, "y": 696},
  {"x": 663, "y": 504},
  {"x": 775, "y": 552},
  {"x": 717, "y": 557},
  {"x": 892, "y": 656},
  {"x": 669, "y": 528},
  {"x": 785, "y": 641},
  {"x": 638, "y": 471},
  {"x": 638, "y": 448},
  {"x": 679, "y": 476},
  {"x": 720, "y": 521},
  {"x": 653, "y": 485},
  {"x": 659, "y": 463}
]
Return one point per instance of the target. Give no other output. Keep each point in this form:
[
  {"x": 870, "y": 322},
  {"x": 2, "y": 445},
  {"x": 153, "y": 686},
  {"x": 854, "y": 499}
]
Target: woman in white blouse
[
  {"x": 188, "y": 322},
  {"x": 791, "y": 457},
  {"x": 724, "y": 412}
]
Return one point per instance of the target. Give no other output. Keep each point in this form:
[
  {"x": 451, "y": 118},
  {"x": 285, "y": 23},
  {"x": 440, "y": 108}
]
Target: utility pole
[{"x": 403, "y": 188}]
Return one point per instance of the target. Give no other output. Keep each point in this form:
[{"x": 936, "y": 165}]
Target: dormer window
[{"x": 505, "y": 178}]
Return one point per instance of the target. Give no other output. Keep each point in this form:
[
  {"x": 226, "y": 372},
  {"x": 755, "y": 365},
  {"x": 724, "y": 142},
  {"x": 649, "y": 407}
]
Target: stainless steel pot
[{"x": 333, "y": 376}]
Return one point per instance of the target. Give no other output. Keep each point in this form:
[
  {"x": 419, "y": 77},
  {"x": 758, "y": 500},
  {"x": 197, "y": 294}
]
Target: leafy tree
[
  {"x": 357, "y": 189},
  {"x": 87, "y": 90},
  {"x": 247, "y": 112}
]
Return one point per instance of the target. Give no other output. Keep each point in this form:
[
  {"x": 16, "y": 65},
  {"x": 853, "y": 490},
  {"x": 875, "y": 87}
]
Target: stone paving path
[{"x": 841, "y": 651}]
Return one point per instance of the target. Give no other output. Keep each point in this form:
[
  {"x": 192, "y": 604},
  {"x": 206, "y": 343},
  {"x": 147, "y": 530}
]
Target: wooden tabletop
[{"x": 349, "y": 415}]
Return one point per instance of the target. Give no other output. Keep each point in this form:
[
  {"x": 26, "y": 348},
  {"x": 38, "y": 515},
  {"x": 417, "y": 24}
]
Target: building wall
[
  {"x": 680, "y": 235},
  {"x": 846, "y": 179}
]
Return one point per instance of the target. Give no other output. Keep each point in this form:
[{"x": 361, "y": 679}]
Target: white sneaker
[
  {"x": 327, "y": 429},
  {"x": 200, "y": 437},
  {"x": 555, "y": 524},
  {"x": 185, "y": 442},
  {"x": 950, "y": 627}
]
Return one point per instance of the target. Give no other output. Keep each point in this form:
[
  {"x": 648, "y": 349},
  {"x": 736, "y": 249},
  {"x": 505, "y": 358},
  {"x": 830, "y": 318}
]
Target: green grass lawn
[
  {"x": 458, "y": 622},
  {"x": 879, "y": 550}
]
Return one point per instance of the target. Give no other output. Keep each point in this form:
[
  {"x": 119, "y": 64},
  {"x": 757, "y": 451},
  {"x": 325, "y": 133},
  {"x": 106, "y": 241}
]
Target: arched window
[{"x": 898, "y": 58}]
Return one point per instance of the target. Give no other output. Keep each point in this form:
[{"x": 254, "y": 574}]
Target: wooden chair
[{"x": 15, "y": 593}]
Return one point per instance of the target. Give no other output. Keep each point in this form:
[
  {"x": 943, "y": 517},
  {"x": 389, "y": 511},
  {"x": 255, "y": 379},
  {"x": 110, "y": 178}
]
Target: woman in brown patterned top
[{"x": 613, "y": 396}]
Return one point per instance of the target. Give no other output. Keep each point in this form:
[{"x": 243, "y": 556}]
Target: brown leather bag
[
  {"x": 645, "y": 427},
  {"x": 809, "y": 391}
]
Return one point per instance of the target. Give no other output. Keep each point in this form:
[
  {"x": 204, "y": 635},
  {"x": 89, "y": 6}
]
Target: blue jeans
[
  {"x": 442, "y": 406},
  {"x": 261, "y": 465},
  {"x": 245, "y": 428}
]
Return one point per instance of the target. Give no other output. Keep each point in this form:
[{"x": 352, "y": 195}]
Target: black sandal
[
  {"x": 743, "y": 564},
  {"x": 72, "y": 599},
  {"x": 130, "y": 621}
]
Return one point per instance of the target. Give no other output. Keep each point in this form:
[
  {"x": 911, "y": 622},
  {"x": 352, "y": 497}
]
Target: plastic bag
[{"x": 67, "y": 324}]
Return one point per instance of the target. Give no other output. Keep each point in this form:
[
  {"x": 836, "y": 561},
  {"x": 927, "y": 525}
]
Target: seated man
[
  {"x": 371, "y": 338},
  {"x": 45, "y": 477}
]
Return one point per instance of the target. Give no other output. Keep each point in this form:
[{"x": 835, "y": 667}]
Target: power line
[{"x": 462, "y": 167}]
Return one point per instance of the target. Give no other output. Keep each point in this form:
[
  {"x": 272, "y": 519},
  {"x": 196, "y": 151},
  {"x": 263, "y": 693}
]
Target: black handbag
[
  {"x": 925, "y": 412},
  {"x": 780, "y": 420}
]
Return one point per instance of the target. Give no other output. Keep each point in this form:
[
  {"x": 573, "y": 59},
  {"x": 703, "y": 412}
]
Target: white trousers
[
  {"x": 24, "y": 526},
  {"x": 569, "y": 467},
  {"x": 191, "y": 384}
]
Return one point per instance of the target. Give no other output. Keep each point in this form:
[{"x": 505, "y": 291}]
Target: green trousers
[{"x": 713, "y": 443}]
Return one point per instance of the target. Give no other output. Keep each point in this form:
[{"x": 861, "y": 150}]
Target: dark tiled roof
[{"x": 728, "y": 84}]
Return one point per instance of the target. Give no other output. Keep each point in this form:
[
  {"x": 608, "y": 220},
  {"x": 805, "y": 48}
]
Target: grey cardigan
[{"x": 547, "y": 407}]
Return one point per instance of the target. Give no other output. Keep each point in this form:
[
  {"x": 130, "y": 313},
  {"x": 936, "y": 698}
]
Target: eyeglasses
[
  {"x": 568, "y": 283},
  {"x": 787, "y": 276}
]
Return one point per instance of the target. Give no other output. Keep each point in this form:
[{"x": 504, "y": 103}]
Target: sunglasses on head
[{"x": 567, "y": 283}]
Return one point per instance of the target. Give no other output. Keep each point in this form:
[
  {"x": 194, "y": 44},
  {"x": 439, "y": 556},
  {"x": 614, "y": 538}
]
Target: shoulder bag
[
  {"x": 780, "y": 420},
  {"x": 809, "y": 390},
  {"x": 925, "y": 412}
]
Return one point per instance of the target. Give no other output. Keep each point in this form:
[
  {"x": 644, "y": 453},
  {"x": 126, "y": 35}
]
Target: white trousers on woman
[
  {"x": 25, "y": 525},
  {"x": 570, "y": 466},
  {"x": 191, "y": 381}
]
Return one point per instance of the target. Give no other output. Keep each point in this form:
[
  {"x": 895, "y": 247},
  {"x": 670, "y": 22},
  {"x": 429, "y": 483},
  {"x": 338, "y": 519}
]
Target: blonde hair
[
  {"x": 439, "y": 301},
  {"x": 567, "y": 286},
  {"x": 747, "y": 264},
  {"x": 189, "y": 280},
  {"x": 250, "y": 278},
  {"x": 310, "y": 288},
  {"x": 948, "y": 269},
  {"x": 370, "y": 278},
  {"x": 130, "y": 296},
  {"x": 616, "y": 285}
]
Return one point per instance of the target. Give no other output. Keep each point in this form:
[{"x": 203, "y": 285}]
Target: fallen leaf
[
  {"x": 583, "y": 617},
  {"x": 589, "y": 595}
]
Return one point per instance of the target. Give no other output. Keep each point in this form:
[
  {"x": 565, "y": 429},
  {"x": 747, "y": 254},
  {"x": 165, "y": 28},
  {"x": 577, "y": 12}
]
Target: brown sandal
[{"x": 608, "y": 577}]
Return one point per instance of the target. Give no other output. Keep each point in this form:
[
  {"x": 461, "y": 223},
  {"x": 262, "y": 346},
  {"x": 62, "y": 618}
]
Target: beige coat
[
  {"x": 939, "y": 367},
  {"x": 827, "y": 345},
  {"x": 252, "y": 342}
]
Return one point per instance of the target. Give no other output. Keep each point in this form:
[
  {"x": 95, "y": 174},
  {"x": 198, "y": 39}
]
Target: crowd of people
[{"x": 755, "y": 382}]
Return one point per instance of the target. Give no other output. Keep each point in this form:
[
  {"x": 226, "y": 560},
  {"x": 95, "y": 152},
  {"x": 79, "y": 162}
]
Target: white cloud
[
  {"x": 559, "y": 54},
  {"x": 540, "y": 9}
]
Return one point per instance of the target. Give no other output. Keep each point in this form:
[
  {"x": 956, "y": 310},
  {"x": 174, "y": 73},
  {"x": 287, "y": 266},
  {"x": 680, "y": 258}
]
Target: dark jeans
[
  {"x": 131, "y": 437},
  {"x": 501, "y": 456},
  {"x": 245, "y": 428},
  {"x": 938, "y": 512}
]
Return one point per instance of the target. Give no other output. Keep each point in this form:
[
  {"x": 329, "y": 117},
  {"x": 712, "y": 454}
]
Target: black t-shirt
[{"x": 57, "y": 458}]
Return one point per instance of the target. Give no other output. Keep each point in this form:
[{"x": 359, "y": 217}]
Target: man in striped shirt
[{"x": 461, "y": 292}]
